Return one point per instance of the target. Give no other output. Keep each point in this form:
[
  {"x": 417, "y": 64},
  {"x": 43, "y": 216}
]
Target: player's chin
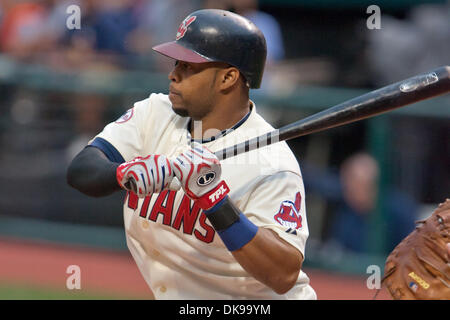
[
  {"x": 177, "y": 105},
  {"x": 180, "y": 111}
]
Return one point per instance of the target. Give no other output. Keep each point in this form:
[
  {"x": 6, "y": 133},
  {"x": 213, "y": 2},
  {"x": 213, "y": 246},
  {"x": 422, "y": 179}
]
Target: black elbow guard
[{"x": 92, "y": 173}]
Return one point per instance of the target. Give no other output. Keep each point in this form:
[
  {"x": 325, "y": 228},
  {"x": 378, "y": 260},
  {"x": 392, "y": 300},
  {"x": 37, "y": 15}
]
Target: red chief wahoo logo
[
  {"x": 289, "y": 214},
  {"x": 183, "y": 27}
]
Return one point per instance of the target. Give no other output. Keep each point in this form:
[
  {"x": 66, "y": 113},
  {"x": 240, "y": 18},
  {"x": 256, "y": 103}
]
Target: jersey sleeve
[
  {"x": 123, "y": 139},
  {"x": 278, "y": 203}
]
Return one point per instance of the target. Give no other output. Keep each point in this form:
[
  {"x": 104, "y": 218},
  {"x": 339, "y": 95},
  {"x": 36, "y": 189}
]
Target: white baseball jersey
[{"x": 175, "y": 247}]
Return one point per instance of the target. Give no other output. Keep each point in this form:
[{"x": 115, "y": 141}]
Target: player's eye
[{"x": 185, "y": 65}]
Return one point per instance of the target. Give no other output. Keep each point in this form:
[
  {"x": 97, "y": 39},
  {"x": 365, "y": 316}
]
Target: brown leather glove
[{"x": 419, "y": 268}]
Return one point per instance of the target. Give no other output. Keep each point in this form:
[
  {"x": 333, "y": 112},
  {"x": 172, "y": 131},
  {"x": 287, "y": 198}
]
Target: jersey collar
[{"x": 223, "y": 132}]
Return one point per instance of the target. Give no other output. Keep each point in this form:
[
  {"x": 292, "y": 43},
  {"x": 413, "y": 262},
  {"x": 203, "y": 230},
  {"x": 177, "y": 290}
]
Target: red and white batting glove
[
  {"x": 145, "y": 176},
  {"x": 199, "y": 171}
]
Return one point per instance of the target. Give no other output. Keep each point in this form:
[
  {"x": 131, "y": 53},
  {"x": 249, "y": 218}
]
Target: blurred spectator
[
  {"x": 354, "y": 193},
  {"x": 101, "y": 43},
  {"x": 24, "y": 29},
  {"x": 403, "y": 48},
  {"x": 114, "y": 20}
]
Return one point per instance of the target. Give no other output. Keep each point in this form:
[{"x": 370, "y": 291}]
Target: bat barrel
[{"x": 388, "y": 98}]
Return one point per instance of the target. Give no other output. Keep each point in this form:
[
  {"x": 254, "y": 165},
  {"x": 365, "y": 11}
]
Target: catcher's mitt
[{"x": 419, "y": 268}]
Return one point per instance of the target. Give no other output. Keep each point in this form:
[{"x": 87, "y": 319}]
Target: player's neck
[{"x": 224, "y": 116}]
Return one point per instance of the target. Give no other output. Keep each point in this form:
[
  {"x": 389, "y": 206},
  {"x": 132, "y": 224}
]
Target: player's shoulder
[
  {"x": 154, "y": 102},
  {"x": 156, "y": 108},
  {"x": 272, "y": 158},
  {"x": 278, "y": 156}
]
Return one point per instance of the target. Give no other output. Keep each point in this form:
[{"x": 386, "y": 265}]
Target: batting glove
[
  {"x": 145, "y": 176},
  {"x": 199, "y": 171}
]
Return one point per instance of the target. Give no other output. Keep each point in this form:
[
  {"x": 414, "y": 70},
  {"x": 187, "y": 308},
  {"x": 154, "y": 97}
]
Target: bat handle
[
  {"x": 131, "y": 185},
  {"x": 175, "y": 184}
]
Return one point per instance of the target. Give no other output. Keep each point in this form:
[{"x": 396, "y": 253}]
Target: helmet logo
[{"x": 183, "y": 27}]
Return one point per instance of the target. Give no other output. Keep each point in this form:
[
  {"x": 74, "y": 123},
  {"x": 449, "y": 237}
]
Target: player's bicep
[{"x": 92, "y": 173}]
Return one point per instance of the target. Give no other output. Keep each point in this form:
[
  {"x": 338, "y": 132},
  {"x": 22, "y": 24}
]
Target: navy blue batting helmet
[{"x": 218, "y": 35}]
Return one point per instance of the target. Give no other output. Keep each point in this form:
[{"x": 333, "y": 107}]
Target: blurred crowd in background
[
  {"x": 307, "y": 46},
  {"x": 115, "y": 34},
  {"x": 119, "y": 34}
]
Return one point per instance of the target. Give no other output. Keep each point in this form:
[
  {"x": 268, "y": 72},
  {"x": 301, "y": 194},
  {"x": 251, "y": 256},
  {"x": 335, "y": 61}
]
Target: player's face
[{"x": 193, "y": 89}]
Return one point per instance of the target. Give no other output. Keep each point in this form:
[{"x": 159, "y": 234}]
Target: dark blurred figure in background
[
  {"x": 266, "y": 23},
  {"x": 272, "y": 32},
  {"x": 102, "y": 41},
  {"x": 114, "y": 21},
  {"x": 353, "y": 193}
]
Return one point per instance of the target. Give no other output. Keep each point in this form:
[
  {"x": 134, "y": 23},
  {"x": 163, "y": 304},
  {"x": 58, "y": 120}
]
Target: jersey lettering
[
  {"x": 133, "y": 200},
  {"x": 159, "y": 208},
  {"x": 210, "y": 232},
  {"x": 144, "y": 207},
  {"x": 186, "y": 214}
]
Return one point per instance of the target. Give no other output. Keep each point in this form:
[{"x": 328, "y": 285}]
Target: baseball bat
[
  {"x": 421, "y": 87},
  {"x": 424, "y": 86}
]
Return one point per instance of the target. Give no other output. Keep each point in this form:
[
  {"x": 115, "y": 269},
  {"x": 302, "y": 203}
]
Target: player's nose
[{"x": 173, "y": 75}]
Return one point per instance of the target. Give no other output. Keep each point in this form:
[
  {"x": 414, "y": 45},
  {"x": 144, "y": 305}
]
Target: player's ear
[{"x": 229, "y": 77}]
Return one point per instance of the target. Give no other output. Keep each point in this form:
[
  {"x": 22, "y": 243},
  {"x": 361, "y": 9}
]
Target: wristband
[
  {"x": 223, "y": 214},
  {"x": 233, "y": 227},
  {"x": 239, "y": 233}
]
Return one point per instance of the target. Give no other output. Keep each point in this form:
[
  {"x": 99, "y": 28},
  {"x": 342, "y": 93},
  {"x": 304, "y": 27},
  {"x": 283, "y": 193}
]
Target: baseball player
[{"x": 197, "y": 227}]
